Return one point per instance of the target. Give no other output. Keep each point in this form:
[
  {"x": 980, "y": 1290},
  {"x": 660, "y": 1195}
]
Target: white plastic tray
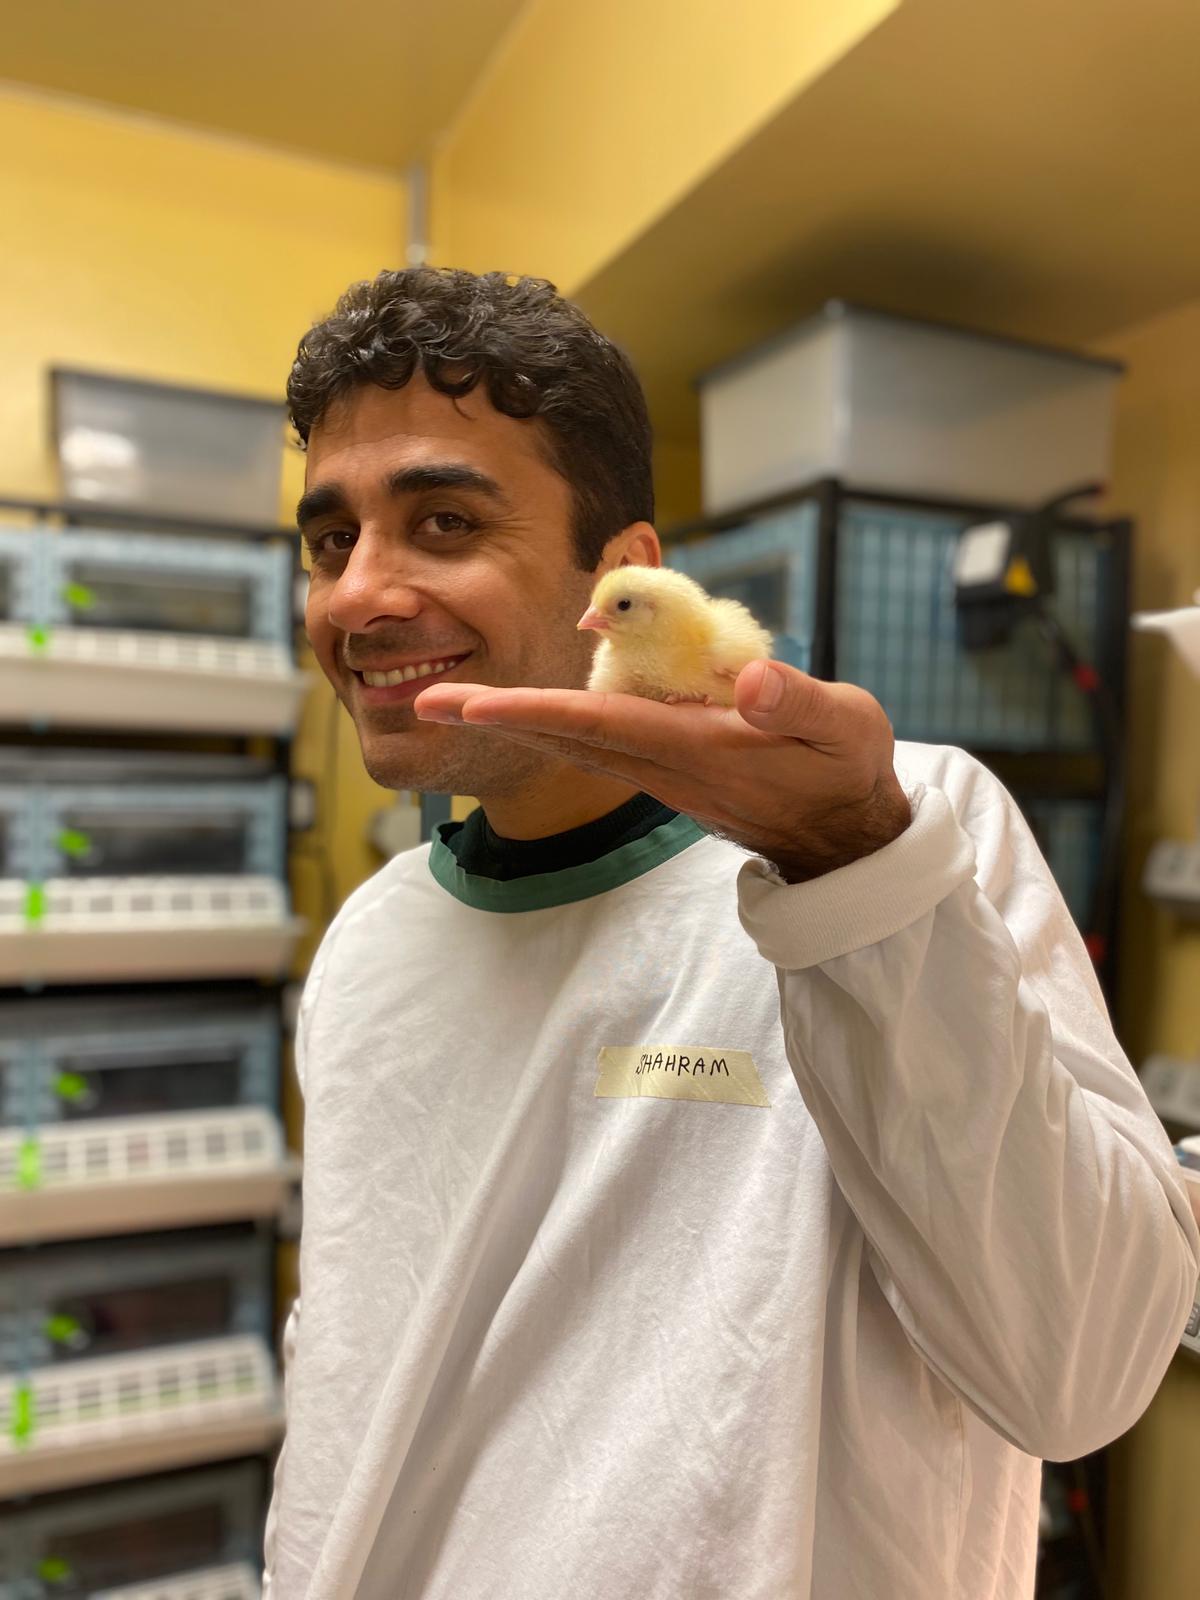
[
  {"x": 116, "y": 1416},
  {"x": 74, "y": 1180},
  {"x": 93, "y": 930},
  {"x": 96, "y": 678}
]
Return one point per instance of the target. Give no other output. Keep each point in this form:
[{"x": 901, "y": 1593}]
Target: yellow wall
[
  {"x": 596, "y": 115},
  {"x": 1156, "y": 476},
  {"x": 136, "y": 247},
  {"x": 1156, "y": 1533}
]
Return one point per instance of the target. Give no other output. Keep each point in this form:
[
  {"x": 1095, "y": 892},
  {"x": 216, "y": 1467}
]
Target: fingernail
[
  {"x": 440, "y": 714},
  {"x": 770, "y": 690}
]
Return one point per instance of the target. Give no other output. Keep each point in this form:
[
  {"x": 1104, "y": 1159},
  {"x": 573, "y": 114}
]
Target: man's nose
[{"x": 374, "y": 585}]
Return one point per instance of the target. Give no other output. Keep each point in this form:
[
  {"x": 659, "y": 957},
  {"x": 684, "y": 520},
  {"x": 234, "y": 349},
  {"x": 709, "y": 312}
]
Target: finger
[
  {"x": 647, "y": 775},
  {"x": 670, "y": 736},
  {"x": 780, "y": 699}
]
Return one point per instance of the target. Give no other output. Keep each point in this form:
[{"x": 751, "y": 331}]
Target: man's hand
[{"x": 807, "y": 783}]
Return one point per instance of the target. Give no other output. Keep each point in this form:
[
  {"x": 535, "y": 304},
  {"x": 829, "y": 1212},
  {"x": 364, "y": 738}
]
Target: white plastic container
[
  {"x": 902, "y": 406},
  {"x": 158, "y": 447}
]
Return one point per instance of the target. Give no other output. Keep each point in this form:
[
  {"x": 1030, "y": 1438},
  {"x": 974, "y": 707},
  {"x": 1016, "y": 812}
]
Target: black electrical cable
[{"x": 1110, "y": 736}]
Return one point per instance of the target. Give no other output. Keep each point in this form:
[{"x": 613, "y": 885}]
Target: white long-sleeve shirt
[{"x": 583, "y": 1318}]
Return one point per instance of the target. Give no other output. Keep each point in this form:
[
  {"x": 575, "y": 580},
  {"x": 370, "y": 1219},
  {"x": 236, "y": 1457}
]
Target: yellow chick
[{"x": 665, "y": 639}]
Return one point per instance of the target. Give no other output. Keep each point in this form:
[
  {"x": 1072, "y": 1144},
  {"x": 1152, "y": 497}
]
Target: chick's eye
[{"x": 624, "y": 605}]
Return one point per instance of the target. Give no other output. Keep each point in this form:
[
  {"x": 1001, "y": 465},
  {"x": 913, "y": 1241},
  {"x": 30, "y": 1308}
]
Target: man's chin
[{"x": 407, "y": 757}]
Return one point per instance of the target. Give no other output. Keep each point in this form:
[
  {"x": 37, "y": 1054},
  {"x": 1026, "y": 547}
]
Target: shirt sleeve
[
  {"x": 291, "y": 1327},
  {"x": 291, "y": 1332},
  {"x": 1021, "y": 1203}
]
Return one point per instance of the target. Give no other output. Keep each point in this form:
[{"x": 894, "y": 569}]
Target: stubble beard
[{"x": 458, "y": 759}]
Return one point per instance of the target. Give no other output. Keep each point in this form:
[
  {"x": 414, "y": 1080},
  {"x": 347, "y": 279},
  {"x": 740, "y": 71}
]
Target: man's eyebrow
[
  {"x": 322, "y": 501},
  {"x": 443, "y": 475}
]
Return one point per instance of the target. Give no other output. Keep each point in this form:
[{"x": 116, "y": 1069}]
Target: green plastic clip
[
  {"x": 53, "y": 1569},
  {"x": 35, "y": 902},
  {"x": 70, "y": 1086},
  {"x": 39, "y": 636},
  {"x": 73, "y": 842},
  {"x": 61, "y": 1328},
  {"x": 79, "y": 597},
  {"x": 29, "y": 1164},
  {"x": 22, "y": 1415}
]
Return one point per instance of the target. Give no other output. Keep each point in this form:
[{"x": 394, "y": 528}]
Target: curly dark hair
[{"x": 536, "y": 354}]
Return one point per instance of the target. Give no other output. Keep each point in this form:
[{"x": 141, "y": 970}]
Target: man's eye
[
  {"x": 444, "y": 522},
  {"x": 336, "y": 541}
]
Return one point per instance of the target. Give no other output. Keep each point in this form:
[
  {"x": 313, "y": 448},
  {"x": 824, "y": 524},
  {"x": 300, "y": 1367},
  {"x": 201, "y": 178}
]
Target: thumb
[{"x": 778, "y": 698}]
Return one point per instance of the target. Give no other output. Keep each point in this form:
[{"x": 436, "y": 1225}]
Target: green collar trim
[{"x": 544, "y": 889}]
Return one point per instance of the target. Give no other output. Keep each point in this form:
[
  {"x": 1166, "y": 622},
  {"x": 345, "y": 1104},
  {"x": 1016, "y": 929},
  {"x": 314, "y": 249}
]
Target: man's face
[{"x": 436, "y": 530}]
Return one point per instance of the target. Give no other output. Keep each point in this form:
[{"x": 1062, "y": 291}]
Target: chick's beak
[{"x": 592, "y": 618}]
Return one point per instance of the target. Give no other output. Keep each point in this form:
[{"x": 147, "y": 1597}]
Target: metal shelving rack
[{"x": 164, "y": 1408}]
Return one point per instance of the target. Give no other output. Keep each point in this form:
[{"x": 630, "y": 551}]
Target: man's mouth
[{"x": 380, "y": 685}]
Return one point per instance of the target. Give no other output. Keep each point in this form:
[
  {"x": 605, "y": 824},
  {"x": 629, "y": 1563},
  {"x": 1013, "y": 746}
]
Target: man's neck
[{"x": 568, "y": 799}]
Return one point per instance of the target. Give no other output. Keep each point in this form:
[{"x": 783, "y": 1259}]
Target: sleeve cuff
[{"x": 797, "y": 925}]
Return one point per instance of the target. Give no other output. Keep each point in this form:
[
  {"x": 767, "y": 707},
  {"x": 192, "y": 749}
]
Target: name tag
[{"x": 690, "y": 1072}]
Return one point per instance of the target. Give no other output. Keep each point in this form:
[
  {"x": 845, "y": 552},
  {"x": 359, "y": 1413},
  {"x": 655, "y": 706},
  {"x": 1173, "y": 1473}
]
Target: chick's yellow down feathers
[{"x": 664, "y": 638}]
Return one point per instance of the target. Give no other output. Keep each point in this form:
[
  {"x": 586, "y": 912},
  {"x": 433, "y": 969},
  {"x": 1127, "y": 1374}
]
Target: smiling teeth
[{"x": 425, "y": 669}]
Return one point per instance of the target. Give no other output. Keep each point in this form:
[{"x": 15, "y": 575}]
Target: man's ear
[{"x": 635, "y": 546}]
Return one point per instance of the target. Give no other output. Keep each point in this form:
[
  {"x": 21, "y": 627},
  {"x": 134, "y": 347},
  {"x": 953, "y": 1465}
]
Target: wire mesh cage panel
[
  {"x": 897, "y": 635},
  {"x": 69, "y": 1546},
  {"x": 1069, "y": 834},
  {"x": 82, "y": 1062},
  {"x": 770, "y": 565}
]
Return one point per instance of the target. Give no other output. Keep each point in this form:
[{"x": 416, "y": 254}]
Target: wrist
[{"x": 845, "y": 835}]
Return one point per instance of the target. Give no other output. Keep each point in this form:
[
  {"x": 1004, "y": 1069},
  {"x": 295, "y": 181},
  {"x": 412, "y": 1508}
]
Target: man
[{"x": 721, "y": 1178}]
